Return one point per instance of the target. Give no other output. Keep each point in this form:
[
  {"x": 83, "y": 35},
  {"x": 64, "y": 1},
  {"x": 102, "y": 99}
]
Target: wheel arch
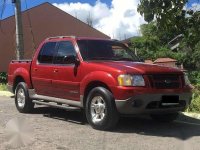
[
  {"x": 95, "y": 79},
  {"x": 21, "y": 75},
  {"x": 17, "y": 80},
  {"x": 91, "y": 86}
]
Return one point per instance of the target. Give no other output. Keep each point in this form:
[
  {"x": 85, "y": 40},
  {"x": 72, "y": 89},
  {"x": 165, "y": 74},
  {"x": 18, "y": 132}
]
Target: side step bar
[
  {"x": 56, "y": 105},
  {"x": 34, "y": 96}
]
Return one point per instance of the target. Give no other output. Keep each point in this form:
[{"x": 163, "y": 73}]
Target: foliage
[
  {"x": 194, "y": 77},
  {"x": 172, "y": 15},
  {"x": 191, "y": 59},
  {"x": 153, "y": 43},
  {"x": 3, "y": 77},
  {"x": 195, "y": 104},
  {"x": 167, "y": 13},
  {"x": 172, "y": 19},
  {"x": 196, "y": 55}
]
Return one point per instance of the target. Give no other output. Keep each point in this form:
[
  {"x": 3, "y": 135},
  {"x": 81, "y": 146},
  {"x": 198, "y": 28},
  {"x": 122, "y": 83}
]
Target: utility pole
[{"x": 19, "y": 30}]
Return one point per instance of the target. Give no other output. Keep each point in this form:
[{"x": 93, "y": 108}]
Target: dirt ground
[{"x": 53, "y": 129}]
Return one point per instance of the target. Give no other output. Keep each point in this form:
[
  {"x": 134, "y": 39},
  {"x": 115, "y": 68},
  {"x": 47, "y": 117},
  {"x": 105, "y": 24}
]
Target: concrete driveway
[{"x": 58, "y": 129}]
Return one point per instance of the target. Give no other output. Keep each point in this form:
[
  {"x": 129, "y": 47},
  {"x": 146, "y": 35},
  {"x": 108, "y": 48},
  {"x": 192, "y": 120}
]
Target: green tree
[
  {"x": 172, "y": 16},
  {"x": 153, "y": 43},
  {"x": 173, "y": 19}
]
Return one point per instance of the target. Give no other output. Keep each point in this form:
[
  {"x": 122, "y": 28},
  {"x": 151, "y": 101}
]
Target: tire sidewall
[
  {"x": 28, "y": 102},
  {"x": 110, "y": 109}
]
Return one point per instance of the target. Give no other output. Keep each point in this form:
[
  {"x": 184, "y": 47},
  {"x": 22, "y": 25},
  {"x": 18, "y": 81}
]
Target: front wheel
[
  {"x": 165, "y": 117},
  {"x": 101, "y": 110},
  {"x": 22, "y": 101}
]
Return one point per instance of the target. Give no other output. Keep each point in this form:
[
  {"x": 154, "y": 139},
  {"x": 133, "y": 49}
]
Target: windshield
[{"x": 105, "y": 50}]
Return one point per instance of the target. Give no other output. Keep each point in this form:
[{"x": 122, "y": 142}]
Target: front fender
[
  {"x": 24, "y": 73},
  {"x": 101, "y": 76}
]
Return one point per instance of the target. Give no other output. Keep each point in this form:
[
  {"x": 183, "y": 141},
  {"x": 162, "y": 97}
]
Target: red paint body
[{"x": 59, "y": 80}]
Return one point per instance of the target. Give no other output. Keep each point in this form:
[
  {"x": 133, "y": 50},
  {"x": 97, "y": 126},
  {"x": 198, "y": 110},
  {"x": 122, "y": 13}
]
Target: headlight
[
  {"x": 187, "y": 81},
  {"x": 131, "y": 80}
]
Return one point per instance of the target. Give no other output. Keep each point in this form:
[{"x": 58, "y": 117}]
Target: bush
[
  {"x": 195, "y": 105},
  {"x": 194, "y": 77},
  {"x": 3, "y": 77}
]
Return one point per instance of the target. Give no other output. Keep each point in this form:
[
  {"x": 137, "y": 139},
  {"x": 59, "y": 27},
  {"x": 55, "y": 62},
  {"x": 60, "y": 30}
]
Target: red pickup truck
[{"x": 102, "y": 77}]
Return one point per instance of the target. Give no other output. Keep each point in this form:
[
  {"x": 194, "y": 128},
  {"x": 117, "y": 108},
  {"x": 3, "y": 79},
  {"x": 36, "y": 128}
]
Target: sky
[{"x": 118, "y": 19}]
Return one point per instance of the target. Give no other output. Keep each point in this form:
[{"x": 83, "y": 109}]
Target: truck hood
[{"x": 137, "y": 67}]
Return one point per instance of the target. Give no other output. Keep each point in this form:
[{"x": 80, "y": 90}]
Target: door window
[
  {"x": 47, "y": 53},
  {"x": 65, "y": 52}
]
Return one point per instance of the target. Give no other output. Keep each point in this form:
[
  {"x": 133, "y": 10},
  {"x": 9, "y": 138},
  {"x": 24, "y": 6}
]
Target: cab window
[
  {"x": 47, "y": 53},
  {"x": 64, "y": 53}
]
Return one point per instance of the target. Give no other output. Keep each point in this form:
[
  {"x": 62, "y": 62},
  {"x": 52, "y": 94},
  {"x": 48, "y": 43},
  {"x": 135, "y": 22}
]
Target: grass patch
[{"x": 3, "y": 87}]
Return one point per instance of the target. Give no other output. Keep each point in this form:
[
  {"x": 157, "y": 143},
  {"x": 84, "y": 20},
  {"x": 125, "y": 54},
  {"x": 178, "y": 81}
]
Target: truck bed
[
  {"x": 21, "y": 61},
  {"x": 16, "y": 66}
]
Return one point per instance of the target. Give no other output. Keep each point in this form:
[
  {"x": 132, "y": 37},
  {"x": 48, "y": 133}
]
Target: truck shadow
[
  {"x": 183, "y": 128},
  {"x": 77, "y": 116}
]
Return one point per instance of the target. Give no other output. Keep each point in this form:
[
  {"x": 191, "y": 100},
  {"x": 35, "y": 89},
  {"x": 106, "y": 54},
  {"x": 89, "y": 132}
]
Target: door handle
[
  {"x": 35, "y": 69},
  {"x": 55, "y": 70}
]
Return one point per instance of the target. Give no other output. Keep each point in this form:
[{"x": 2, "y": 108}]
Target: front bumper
[{"x": 151, "y": 103}]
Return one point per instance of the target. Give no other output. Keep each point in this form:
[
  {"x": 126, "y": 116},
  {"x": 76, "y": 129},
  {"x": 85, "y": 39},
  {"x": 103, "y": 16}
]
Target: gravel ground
[{"x": 58, "y": 129}]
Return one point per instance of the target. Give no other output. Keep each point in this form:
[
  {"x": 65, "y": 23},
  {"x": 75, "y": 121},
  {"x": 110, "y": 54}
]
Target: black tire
[
  {"x": 111, "y": 116},
  {"x": 165, "y": 117},
  {"x": 23, "y": 105}
]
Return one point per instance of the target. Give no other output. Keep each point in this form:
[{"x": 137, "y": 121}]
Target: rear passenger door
[
  {"x": 43, "y": 69},
  {"x": 66, "y": 82}
]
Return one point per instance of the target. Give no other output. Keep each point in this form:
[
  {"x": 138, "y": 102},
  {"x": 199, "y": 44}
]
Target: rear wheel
[
  {"x": 165, "y": 117},
  {"x": 100, "y": 109},
  {"x": 22, "y": 101}
]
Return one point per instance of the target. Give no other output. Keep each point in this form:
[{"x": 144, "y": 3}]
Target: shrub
[
  {"x": 194, "y": 77},
  {"x": 195, "y": 104},
  {"x": 3, "y": 77}
]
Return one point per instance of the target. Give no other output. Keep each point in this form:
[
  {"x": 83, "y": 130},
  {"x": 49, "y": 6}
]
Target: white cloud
[
  {"x": 119, "y": 20},
  {"x": 196, "y": 6}
]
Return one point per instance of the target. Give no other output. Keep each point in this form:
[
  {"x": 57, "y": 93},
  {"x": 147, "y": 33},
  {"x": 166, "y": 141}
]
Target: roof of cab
[{"x": 75, "y": 37}]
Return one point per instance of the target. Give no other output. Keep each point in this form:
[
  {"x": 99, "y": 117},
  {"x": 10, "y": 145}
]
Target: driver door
[{"x": 65, "y": 81}]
